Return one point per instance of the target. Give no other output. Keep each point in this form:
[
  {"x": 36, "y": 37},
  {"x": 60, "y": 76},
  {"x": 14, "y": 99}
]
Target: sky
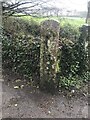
[{"x": 79, "y": 5}]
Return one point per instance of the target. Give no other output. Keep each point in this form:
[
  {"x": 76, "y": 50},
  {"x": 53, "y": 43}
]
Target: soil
[{"x": 21, "y": 100}]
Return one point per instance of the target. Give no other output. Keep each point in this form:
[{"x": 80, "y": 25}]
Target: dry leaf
[
  {"x": 22, "y": 86},
  {"x": 15, "y": 105},
  {"x": 16, "y": 87},
  {"x": 49, "y": 112}
]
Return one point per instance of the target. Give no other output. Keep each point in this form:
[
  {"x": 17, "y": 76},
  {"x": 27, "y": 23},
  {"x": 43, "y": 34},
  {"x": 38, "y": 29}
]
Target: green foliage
[
  {"x": 21, "y": 55},
  {"x": 70, "y": 82},
  {"x": 74, "y": 82},
  {"x": 73, "y": 59},
  {"x": 70, "y": 32}
]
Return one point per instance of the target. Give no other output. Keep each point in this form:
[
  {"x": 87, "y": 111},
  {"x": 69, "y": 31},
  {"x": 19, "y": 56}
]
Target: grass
[
  {"x": 73, "y": 22},
  {"x": 77, "y": 22}
]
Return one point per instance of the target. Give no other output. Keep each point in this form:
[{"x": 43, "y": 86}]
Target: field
[{"x": 63, "y": 20}]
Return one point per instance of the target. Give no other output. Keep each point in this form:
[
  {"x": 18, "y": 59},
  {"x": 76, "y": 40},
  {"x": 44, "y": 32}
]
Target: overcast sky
[{"x": 80, "y": 5}]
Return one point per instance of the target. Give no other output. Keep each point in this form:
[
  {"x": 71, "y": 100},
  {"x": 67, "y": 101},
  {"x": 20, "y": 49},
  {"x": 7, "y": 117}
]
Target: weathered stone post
[
  {"x": 88, "y": 14},
  {"x": 85, "y": 35},
  {"x": 49, "y": 53}
]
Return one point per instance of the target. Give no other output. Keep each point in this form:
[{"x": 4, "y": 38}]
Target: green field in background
[{"x": 77, "y": 22}]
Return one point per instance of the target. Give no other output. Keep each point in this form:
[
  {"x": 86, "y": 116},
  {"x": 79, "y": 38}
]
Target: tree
[{"x": 27, "y": 7}]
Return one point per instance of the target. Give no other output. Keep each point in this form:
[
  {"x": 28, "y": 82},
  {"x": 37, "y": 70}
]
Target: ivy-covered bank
[{"x": 21, "y": 53}]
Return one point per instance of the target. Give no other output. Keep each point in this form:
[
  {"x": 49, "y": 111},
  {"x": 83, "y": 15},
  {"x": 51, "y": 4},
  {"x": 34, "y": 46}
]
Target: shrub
[
  {"x": 21, "y": 55},
  {"x": 73, "y": 58},
  {"x": 69, "y": 32}
]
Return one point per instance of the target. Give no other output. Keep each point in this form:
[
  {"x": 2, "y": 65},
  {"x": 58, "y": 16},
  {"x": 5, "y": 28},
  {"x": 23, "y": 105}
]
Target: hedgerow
[{"x": 21, "y": 52}]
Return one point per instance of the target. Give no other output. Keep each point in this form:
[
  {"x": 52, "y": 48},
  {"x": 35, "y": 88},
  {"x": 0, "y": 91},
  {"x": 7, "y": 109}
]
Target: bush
[
  {"x": 21, "y": 55},
  {"x": 69, "y": 32},
  {"x": 73, "y": 59}
]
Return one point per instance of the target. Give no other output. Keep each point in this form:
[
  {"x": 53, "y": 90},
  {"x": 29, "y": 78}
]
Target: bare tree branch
[{"x": 10, "y": 8}]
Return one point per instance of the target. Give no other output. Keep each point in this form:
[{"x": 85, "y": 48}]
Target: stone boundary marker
[{"x": 49, "y": 50}]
